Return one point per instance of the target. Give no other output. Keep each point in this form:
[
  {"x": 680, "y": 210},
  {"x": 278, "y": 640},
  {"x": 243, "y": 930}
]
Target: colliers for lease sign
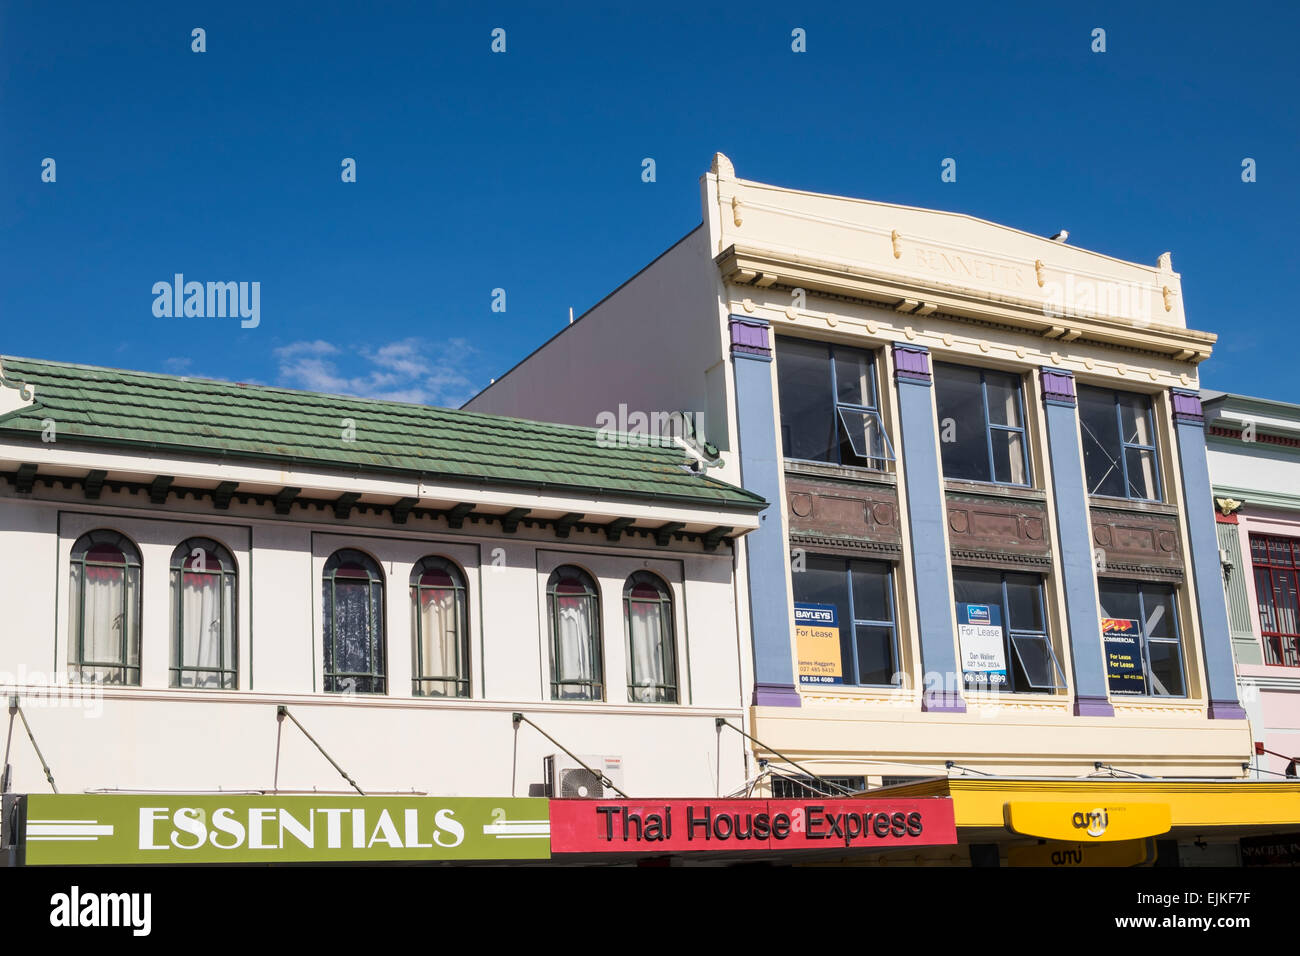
[{"x": 178, "y": 828}]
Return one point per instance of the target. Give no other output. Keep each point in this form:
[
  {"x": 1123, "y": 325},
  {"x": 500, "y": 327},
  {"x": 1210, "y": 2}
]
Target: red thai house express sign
[{"x": 612, "y": 826}]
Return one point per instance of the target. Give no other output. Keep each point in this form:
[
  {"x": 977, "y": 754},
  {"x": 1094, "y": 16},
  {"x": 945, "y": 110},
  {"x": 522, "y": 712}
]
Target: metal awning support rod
[
  {"x": 722, "y": 722},
  {"x": 14, "y": 708},
  {"x": 281, "y": 711},
  {"x": 604, "y": 780}
]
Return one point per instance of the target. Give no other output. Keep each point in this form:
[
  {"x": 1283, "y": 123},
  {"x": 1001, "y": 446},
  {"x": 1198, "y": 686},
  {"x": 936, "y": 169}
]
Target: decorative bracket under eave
[{"x": 15, "y": 395}]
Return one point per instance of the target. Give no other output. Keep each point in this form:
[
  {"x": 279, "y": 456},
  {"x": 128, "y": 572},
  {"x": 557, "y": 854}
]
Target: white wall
[
  {"x": 649, "y": 345},
  {"x": 157, "y": 737}
]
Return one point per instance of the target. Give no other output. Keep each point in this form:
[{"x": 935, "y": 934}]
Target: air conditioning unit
[{"x": 566, "y": 779}]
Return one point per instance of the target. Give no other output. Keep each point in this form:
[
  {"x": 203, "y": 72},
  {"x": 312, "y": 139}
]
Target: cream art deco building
[{"x": 995, "y": 547}]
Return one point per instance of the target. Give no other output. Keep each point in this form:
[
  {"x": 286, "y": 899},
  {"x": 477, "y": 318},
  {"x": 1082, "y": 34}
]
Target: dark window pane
[
  {"x": 1119, "y": 600},
  {"x": 1141, "y": 473},
  {"x": 1101, "y": 444},
  {"x": 1166, "y": 668},
  {"x": 822, "y": 581},
  {"x": 861, "y": 442},
  {"x": 808, "y": 423},
  {"x": 351, "y": 627},
  {"x": 977, "y": 587},
  {"x": 1024, "y": 597},
  {"x": 1279, "y": 551},
  {"x": 1160, "y": 610},
  {"x": 1008, "y": 457},
  {"x": 875, "y": 655},
  {"x": 1284, "y": 602},
  {"x": 853, "y": 377},
  {"x": 1135, "y": 418},
  {"x": 871, "y": 592},
  {"x": 963, "y": 442},
  {"x": 1004, "y": 398},
  {"x": 1264, "y": 590},
  {"x": 1036, "y": 668}
]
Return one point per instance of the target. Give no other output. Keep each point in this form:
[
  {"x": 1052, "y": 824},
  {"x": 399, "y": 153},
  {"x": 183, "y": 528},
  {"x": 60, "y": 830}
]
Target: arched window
[
  {"x": 203, "y": 615},
  {"x": 440, "y": 652},
  {"x": 354, "y": 624},
  {"x": 651, "y": 661},
  {"x": 576, "y": 666},
  {"x": 105, "y": 609}
]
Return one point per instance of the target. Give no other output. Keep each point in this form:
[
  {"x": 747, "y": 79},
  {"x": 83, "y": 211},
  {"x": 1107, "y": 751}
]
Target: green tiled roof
[{"x": 179, "y": 414}]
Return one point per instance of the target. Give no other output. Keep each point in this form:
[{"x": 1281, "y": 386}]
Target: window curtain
[
  {"x": 201, "y": 627},
  {"x": 574, "y": 640},
  {"x": 645, "y": 623},
  {"x": 103, "y": 599},
  {"x": 439, "y": 634},
  {"x": 352, "y": 627}
]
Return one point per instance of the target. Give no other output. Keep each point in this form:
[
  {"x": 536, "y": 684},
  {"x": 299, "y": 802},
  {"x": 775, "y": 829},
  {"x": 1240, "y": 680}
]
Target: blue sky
[{"x": 522, "y": 170}]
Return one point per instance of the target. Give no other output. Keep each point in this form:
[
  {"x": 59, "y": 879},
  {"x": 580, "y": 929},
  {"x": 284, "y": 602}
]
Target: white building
[
  {"x": 1254, "y": 456},
  {"x": 180, "y": 558}
]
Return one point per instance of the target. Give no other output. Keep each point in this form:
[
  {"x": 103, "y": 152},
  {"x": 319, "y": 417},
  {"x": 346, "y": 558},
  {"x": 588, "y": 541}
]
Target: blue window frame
[
  {"x": 1119, "y": 444},
  {"x": 862, "y": 593},
  {"x": 1029, "y": 663},
  {"x": 981, "y": 425},
  {"x": 1154, "y": 608},
  {"x": 828, "y": 404}
]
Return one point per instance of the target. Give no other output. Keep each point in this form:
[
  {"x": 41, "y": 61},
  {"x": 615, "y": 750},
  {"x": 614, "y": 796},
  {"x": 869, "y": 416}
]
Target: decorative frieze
[
  {"x": 1132, "y": 543},
  {"x": 994, "y": 531},
  {"x": 843, "y": 516}
]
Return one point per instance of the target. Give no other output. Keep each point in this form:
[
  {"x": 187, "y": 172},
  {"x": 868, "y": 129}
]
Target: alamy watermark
[
  {"x": 40, "y": 690},
  {"x": 212, "y": 300},
  {"x": 1077, "y": 298}
]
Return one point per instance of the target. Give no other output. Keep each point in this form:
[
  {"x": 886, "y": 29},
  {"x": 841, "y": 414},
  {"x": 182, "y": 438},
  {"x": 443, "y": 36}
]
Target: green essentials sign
[{"x": 181, "y": 828}]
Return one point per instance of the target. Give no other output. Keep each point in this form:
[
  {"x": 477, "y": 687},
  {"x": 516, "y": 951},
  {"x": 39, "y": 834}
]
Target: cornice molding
[
  {"x": 1256, "y": 498},
  {"x": 742, "y": 265}
]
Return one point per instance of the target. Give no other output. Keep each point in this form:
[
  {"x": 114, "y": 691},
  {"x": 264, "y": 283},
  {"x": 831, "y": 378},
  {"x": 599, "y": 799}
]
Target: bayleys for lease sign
[{"x": 179, "y": 828}]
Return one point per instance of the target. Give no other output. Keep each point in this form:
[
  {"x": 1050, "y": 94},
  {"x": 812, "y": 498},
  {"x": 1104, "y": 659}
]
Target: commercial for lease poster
[
  {"x": 1124, "y": 671},
  {"x": 817, "y": 636},
  {"x": 983, "y": 653}
]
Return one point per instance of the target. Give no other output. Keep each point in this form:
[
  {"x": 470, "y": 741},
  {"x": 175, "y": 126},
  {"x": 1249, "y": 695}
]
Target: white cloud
[{"x": 408, "y": 370}]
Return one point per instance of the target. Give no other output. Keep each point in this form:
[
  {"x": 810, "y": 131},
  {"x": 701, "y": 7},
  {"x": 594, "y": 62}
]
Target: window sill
[
  {"x": 93, "y": 695},
  {"x": 798, "y": 466},
  {"x": 999, "y": 700},
  {"x": 1131, "y": 504},
  {"x": 993, "y": 489},
  {"x": 1134, "y": 706}
]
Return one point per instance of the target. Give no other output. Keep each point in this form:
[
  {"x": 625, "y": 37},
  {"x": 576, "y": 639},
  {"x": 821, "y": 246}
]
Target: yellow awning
[{"x": 991, "y": 802}]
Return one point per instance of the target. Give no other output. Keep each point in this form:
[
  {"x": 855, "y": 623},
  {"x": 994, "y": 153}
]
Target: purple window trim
[
  {"x": 1187, "y": 407},
  {"x": 1058, "y": 387},
  {"x": 776, "y": 695},
  {"x": 1093, "y": 707},
  {"x": 749, "y": 337},
  {"x": 942, "y": 702},
  {"x": 1226, "y": 710},
  {"x": 912, "y": 363}
]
